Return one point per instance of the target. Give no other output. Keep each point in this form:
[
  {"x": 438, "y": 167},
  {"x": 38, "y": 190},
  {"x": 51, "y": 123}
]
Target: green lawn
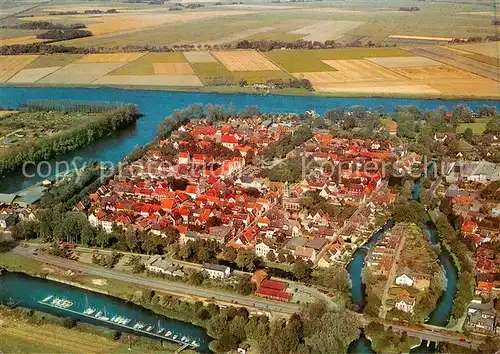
[
  {"x": 16, "y": 263},
  {"x": 478, "y": 127},
  {"x": 47, "y": 61},
  {"x": 310, "y": 60}
]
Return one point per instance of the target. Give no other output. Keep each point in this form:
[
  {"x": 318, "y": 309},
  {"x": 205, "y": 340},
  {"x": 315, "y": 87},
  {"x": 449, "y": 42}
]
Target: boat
[
  {"x": 97, "y": 315},
  {"x": 195, "y": 343},
  {"x": 115, "y": 318},
  {"x": 175, "y": 336},
  {"x": 139, "y": 325},
  {"x": 126, "y": 321},
  {"x": 48, "y": 298},
  {"x": 168, "y": 334},
  {"x": 89, "y": 311},
  {"x": 160, "y": 331},
  {"x": 184, "y": 339},
  {"x": 149, "y": 328}
]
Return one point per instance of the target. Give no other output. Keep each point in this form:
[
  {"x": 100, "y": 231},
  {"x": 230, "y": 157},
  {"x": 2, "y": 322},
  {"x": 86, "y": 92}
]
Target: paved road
[{"x": 162, "y": 285}]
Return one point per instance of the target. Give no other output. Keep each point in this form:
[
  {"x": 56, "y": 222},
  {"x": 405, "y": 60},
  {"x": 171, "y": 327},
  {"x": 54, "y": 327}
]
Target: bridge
[{"x": 427, "y": 332}]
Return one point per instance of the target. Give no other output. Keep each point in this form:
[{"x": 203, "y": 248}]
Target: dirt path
[{"x": 390, "y": 278}]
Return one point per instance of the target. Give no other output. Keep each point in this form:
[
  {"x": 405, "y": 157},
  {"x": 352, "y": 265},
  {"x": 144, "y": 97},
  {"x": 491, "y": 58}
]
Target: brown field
[
  {"x": 199, "y": 57},
  {"x": 110, "y": 58},
  {"x": 349, "y": 71},
  {"x": 80, "y": 73},
  {"x": 173, "y": 69},
  {"x": 11, "y": 64},
  {"x": 403, "y": 62},
  {"x": 325, "y": 30},
  {"x": 21, "y": 40},
  {"x": 151, "y": 80},
  {"x": 434, "y": 72},
  {"x": 244, "y": 60},
  {"x": 32, "y": 75}
]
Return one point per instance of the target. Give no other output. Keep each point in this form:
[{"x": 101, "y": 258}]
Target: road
[
  {"x": 162, "y": 285},
  {"x": 312, "y": 292},
  {"x": 390, "y": 278}
]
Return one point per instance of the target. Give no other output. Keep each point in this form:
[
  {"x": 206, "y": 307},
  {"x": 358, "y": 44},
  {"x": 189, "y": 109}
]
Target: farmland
[
  {"x": 477, "y": 127},
  {"x": 345, "y": 22},
  {"x": 350, "y": 71}
]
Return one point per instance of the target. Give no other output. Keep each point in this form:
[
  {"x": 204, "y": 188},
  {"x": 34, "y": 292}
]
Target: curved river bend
[
  {"x": 156, "y": 105},
  {"x": 441, "y": 314}
]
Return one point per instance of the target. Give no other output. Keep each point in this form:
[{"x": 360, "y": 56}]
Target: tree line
[{"x": 69, "y": 140}]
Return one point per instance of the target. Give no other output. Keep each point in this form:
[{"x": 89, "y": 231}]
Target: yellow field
[
  {"x": 151, "y": 80},
  {"x": 11, "y": 64},
  {"x": 478, "y": 87},
  {"x": 245, "y": 60},
  {"x": 173, "y": 69},
  {"x": 199, "y": 57},
  {"x": 399, "y": 87},
  {"x": 403, "y": 62},
  {"x": 434, "y": 72},
  {"x": 350, "y": 71},
  {"x": 22, "y": 40},
  {"x": 110, "y": 58},
  {"x": 441, "y": 39}
]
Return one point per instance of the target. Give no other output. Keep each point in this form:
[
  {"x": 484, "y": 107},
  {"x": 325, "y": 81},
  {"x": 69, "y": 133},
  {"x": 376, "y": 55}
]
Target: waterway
[
  {"x": 441, "y": 314},
  {"x": 28, "y": 291},
  {"x": 156, "y": 105}
]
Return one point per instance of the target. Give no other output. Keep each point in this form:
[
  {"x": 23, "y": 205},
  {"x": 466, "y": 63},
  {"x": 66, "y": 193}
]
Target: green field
[
  {"x": 144, "y": 65},
  {"x": 47, "y": 61},
  {"x": 310, "y": 60},
  {"x": 478, "y": 127}
]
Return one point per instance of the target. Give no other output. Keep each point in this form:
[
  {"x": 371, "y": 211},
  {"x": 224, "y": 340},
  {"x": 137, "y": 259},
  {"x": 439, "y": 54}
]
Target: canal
[
  {"x": 29, "y": 291},
  {"x": 156, "y": 105},
  {"x": 441, "y": 314}
]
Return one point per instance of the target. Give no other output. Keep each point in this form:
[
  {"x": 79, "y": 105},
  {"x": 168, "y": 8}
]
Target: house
[
  {"x": 217, "y": 271},
  {"x": 258, "y": 277},
  {"x": 406, "y": 303},
  {"x": 7, "y": 220},
  {"x": 404, "y": 277},
  {"x": 481, "y": 317},
  {"x": 263, "y": 247},
  {"x": 273, "y": 290},
  {"x": 158, "y": 264}
]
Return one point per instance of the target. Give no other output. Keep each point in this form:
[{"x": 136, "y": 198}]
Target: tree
[
  {"x": 271, "y": 257},
  {"x": 468, "y": 134},
  {"x": 244, "y": 286},
  {"x": 335, "y": 278},
  {"x": 229, "y": 254},
  {"x": 226, "y": 343},
  {"x": 196, "y": 277},
  {"x": 300, "y": 270},
  {"x": 247, "y": 260},
  {"x": 26, "y": 230}
]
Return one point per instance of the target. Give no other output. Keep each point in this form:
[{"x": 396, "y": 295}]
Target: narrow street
[{"x": 390, "y": 278}]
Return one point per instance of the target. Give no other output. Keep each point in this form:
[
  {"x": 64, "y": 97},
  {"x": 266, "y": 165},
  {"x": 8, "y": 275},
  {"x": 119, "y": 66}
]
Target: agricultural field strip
[
  {"x": 245, "y": 60},
  {"x": 32, "y": 75},
  {"x": 80, "y": 73},
  {"x": 11, "y": 64},
  {"x": 110, "y": 58},
  {"x": 403, "y": 62},
  {"x": 452, "y": 59},
  {"x": 173, "y": 69},
  {"x": 150, "y": 80},
  {"x": 326, "y": 30},
  {"x": 199, "y": 57}
]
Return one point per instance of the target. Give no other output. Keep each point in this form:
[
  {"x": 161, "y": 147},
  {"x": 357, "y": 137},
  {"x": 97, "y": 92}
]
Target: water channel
[{"x": 31, "y": 291}]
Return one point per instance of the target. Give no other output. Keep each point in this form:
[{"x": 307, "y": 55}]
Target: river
[
  {"x": 441, "y": 314},
  {"x": 156, "y": 105},
  {"x": 29, "y": 290}
]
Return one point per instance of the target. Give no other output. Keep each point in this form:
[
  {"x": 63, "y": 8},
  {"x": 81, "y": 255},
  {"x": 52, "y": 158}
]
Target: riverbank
[
  {"x": 25, "y": 331},
  {"x": 252, "y": 91}
]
